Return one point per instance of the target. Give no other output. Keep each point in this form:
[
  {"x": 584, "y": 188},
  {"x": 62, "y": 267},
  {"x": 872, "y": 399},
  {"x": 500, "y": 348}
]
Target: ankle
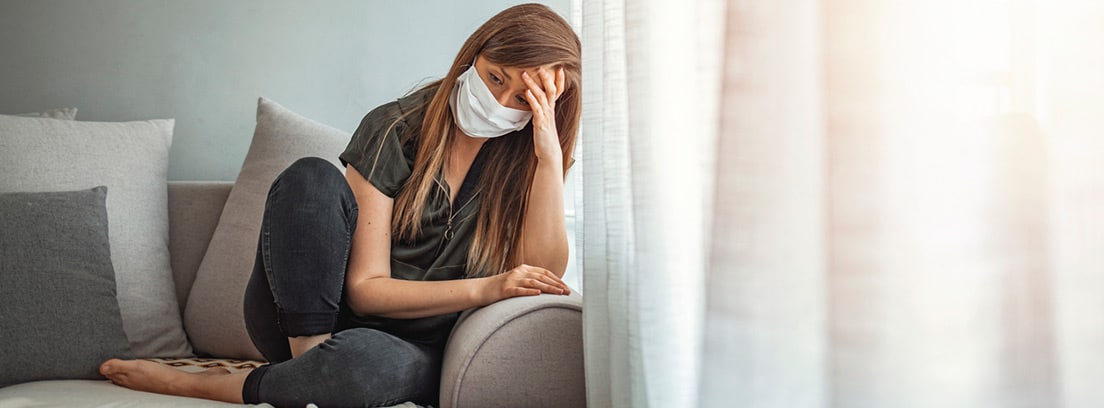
[{"x": 302, "y": 344}]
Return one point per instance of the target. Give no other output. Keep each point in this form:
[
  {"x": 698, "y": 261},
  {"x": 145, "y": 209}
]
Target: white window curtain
[
  {"x": 859, "y": 203},
  {"x": 648, "y": 121}
]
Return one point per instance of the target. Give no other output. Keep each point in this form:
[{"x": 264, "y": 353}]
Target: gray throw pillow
[
  {"x": 59, "y": 318},
  {"x": 213, "y": 314},
  {"x": 131, "y": 159}
]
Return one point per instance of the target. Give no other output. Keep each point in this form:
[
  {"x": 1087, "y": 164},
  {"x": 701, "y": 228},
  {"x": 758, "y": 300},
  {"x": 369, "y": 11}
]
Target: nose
[{"x": 503, "y": 97}]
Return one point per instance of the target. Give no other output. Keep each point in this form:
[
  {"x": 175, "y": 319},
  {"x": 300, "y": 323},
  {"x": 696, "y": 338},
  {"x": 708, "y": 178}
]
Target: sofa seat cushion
[
  {"x": 91, "y": 393},
  {"x": 94, "y": 393}
]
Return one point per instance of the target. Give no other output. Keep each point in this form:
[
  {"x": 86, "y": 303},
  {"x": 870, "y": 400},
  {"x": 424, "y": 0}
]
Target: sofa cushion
[
  {"x": 131, "y": 159},
  {"x": 59, "y": 113},
  {"x": 103, "y": 394},
  {"x": 60, "y": 318},
  {"x": 213, "y": 314},
  {"x": 100, "y": 394},
  {"x": 194, "y": 210}
]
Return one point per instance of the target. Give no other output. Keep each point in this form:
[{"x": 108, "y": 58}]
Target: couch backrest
[{"x": 194, "y": 211}]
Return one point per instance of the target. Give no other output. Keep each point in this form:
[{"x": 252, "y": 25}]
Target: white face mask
[{"x": 478, "y": 113}]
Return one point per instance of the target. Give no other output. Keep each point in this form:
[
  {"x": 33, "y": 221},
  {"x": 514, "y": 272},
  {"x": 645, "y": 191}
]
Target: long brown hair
[{"x": 523, "y": 36}]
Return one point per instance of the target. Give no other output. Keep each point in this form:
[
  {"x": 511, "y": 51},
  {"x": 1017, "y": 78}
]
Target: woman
[{"x": 452, "y": 198}]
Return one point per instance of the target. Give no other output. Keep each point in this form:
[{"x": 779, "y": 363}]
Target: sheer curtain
[
  {"x": 647, "y": 127},
  {"x": 766, "y": 317},
  {"x": 843, "y": 203}
]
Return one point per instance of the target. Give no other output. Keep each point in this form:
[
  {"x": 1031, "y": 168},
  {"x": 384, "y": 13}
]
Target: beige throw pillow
[{"x": 213, "y": 314}]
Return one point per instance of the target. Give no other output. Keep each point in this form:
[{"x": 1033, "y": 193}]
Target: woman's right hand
[{"x": 524, "y": 280}]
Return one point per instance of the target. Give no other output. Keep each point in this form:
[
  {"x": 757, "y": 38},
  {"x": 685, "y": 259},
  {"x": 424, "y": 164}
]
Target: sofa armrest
[
  {"x": 194, "y": 211},
  {"x": 523, "y": 351}
]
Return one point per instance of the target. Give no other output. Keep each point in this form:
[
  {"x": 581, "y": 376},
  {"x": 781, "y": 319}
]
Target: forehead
[{"x": 487, "y": 64}]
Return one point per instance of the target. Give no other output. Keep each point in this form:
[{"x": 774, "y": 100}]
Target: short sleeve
[{"x": 377, "y": 152}]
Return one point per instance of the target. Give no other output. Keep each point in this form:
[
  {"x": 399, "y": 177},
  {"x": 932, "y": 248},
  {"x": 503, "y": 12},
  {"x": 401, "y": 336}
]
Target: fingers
[
  {"x": 553, "y": 83},
  {"x": 560, "y": 82},
  {"x": 542, "y": 279},
  {"x": 534, "y": 104},
  {"x": 549, "y": 81},
  {"x": 520, "y": 291},
  {"x": 550, "y": 87},
  {"x": 543, "y": 286},
  {"x": 551, "y": 279},
  {"x": 538, "y": 93}
]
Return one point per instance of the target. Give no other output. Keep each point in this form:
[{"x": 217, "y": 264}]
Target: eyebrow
[{"x": 503, "y": 72}]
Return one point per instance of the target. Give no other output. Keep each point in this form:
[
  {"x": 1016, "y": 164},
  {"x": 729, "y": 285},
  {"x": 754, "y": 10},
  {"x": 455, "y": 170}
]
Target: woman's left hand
[{"x": 542, "y": 101}]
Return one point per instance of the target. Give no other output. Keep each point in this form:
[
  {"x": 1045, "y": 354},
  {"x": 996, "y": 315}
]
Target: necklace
[{"x": 449, "y": 233}]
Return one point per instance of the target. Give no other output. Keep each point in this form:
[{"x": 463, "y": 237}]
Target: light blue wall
[{"x": 205, "y": 62}]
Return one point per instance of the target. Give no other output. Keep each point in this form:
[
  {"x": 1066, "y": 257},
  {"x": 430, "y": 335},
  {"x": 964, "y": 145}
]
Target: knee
[{"x": 311, "y": 176}]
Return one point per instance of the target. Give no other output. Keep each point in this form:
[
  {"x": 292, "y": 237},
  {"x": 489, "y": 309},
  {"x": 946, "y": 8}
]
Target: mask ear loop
[{"x": 466, "y": 67}]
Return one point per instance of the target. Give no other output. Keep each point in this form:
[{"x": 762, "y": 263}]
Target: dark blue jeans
[{"x": 297, "y": 289}]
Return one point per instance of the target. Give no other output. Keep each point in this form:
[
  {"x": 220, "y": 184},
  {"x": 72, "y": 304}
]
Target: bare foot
[
  {"x": 149, "y": 376},
  {"x": 216, "y": 383}
]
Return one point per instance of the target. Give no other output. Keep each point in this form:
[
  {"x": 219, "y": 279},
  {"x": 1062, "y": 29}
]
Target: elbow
[
  {"x": 359, "y": 297},
  {"x": 559, "y": 266},
  {"x": 355, "y": 304},
  {"x": 554, "y": 261},
  {"x": 562, "y": 258}
]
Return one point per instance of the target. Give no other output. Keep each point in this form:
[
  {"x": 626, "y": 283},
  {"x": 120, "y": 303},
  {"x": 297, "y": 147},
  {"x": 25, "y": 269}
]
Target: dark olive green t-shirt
[{"x": 440, "y": 250}]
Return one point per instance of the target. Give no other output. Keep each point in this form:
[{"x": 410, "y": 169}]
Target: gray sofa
[
  {"x": 197, "y": 239},
  {"x": 522, "y": 352}
]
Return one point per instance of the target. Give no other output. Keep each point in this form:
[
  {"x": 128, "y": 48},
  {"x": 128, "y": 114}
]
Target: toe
[{"x": 108, "y": 367}]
